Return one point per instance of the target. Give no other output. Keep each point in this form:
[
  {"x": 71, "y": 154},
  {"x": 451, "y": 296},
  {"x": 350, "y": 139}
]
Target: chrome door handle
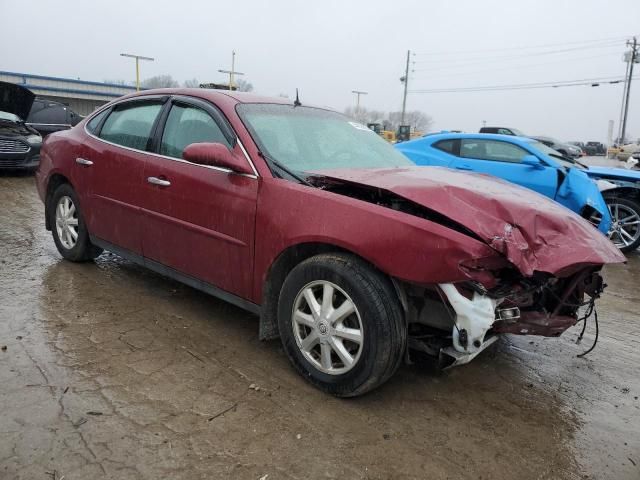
[
  {"x": 84, "y": 161},
  {"x": 158, "y": 181}
]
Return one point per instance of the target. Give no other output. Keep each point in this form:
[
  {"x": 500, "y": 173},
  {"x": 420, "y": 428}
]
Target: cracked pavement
[{"x": 111, "y": 371}]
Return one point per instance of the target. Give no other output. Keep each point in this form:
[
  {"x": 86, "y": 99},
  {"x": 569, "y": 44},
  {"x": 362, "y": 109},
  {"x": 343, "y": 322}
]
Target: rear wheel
[
  {"x": 68, "y": 227},
  {"x": 341, "y": 324},
  {"x": 625, "y": 226}
]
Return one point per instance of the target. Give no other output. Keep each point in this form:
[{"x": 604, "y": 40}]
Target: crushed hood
[
  {"x": 16, "y": 99},
  {"x": 615, "y": 173},
  {"x": 531, "y": 231}
]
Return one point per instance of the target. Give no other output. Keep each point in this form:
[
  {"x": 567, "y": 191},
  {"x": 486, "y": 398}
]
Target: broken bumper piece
[
  {"x": 450, "y": 357},
  {"x": 474, "y": 318}
]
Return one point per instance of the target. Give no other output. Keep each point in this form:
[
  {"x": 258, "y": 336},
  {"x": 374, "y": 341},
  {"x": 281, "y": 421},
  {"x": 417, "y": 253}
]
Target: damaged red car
[{"x": 351, "y": 255}]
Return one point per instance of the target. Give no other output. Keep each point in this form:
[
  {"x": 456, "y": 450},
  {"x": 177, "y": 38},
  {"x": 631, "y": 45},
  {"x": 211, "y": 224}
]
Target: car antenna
[{"x": 297, "y": 101}]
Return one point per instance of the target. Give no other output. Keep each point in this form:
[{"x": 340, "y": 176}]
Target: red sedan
[{"x": 348, "y": 252}]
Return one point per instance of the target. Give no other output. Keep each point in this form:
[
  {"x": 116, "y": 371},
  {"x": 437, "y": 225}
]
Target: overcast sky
[{"x": 329, "y": 48}]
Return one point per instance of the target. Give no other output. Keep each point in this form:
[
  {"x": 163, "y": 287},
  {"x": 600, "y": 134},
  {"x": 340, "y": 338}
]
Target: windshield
[
  {"x": 557, "y": 156},
  {"x": 9, "y": 117},
  {"x": 305, "y": 139}
]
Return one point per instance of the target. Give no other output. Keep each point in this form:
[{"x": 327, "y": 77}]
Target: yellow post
[{"x": 137, "y": 76}]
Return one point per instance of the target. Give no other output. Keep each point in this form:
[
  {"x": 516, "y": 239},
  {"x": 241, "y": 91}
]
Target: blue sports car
[{"x": 531, "y": 164}]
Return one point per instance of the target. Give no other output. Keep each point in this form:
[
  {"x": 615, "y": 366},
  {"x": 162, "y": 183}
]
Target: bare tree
[
  {"x": 192, "y": 83},
  {"x": 390, "y": 121},
  {"x": 416, "y": 119},
  {"x": 365, "y": 116},
  {"x": 243, "y": 86},
  {"x": 160, "y": 81}
]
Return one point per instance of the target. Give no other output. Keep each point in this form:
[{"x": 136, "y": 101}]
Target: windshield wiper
[{"x": 274, "y": 163}]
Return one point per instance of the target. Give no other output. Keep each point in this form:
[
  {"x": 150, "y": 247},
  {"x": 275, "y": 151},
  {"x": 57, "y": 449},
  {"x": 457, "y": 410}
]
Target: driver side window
[{"x": 186, "y": 125}]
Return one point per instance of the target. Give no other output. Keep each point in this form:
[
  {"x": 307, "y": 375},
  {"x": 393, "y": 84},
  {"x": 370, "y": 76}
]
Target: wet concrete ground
[{"x": 111, "y": 371}]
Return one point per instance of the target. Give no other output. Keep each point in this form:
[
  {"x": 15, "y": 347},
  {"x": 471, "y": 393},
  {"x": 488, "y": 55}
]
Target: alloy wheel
[
  {"x": 625, "y": 227},
  {"x": 327, "y": 327},
  {"x": 67, "y": 222}
]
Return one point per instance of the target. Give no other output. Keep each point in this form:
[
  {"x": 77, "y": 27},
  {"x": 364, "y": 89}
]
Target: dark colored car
[
  {"x": 502, "y": 131},
  {"x": 566, "y": 149},
  {"x": 346, "y": 250},
  {"x": 595, "y": 148},
  {"x": 19, "y": 143},
  {"x": 48, "y": 117}
]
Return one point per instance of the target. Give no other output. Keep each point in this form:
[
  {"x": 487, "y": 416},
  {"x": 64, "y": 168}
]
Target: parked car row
[
  {"x": 591, "y": 148},
  {"x": 567, "y": 149}
]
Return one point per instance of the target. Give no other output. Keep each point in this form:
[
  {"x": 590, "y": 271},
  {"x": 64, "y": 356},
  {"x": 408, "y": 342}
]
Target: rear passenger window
[
  {"x": 446, "y": 146},
  {"x": 131, "y": 126},
  {"x": 186, "y": 125}
]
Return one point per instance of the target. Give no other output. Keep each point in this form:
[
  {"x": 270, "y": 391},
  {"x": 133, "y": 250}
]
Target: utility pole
[
  {"x": 232, "y": 72},
  {"x": 138, "y": 58},
  {"x": 624, "y": 96},
  {"x": 358, "y": 93},
  {"x": 633, "y": 59},
  {"x": 405, "y": 80}
]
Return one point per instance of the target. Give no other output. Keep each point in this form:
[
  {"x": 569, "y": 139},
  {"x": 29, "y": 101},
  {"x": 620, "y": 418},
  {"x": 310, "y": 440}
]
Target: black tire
[
  {"x": 612, "y": 199},
  {"x": 382, "y": 320},
  {"x": 83, "y": 250}
]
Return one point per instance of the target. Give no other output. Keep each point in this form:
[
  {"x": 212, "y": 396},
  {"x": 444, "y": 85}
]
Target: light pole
[
  {"x": 232, "y": 72},
  {"x": 358, "y": 93},
  {"x": 138, "y": 58}
]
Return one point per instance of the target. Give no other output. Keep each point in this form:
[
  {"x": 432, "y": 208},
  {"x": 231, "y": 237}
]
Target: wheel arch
[
  {"x": 280, "y": 268},
  {"x": 632, "y": 193},
  {"x": 55, "y": 180}
]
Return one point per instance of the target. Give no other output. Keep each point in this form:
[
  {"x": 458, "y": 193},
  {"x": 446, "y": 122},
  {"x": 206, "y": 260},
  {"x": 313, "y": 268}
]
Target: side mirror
[
  {"x": 532, "y": 161},
  {"x": 215, "y": 155}
]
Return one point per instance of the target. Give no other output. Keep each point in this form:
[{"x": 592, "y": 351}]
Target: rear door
[
  {"x": 439, "y": 154},
  {"x": 199, "y": 220},
  {"x": 112, "y": 163},
  {"x": 504, "y": 160}
]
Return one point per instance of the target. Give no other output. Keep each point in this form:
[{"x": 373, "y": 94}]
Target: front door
[
  {"x": 113, "y": 160},
  {"x": 503, "y": 160},
  {"x": 198, "y": 219}
]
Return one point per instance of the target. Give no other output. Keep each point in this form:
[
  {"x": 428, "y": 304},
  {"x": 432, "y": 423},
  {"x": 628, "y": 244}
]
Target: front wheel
[
  {"x": 68, "y": 226},
  {"x": 341, "y": 324},
  {"x": 625, "y": 222}
]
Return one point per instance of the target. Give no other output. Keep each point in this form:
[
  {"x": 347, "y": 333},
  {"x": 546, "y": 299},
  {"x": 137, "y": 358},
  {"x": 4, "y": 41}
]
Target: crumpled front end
[
  {"x": 541, "y": 265},
  {"x": 545, "y": 306}
]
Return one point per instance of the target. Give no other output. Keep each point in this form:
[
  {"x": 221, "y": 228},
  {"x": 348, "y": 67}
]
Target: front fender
[
  {"x": 578, "y": 191},
  {"x": 403, "y": 246}
]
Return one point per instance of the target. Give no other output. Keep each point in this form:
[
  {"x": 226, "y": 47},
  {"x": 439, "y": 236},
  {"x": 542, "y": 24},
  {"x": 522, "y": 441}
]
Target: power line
[
  {"x": 522, "y": 86},
  {"x": 485, "y": 59},
  {"x": 547, "y": 45},
  {"x": 511, "y": 67}
]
